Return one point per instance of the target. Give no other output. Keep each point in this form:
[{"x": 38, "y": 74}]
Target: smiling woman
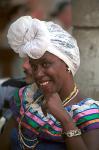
[
  {"x": 51, "y": 113},
  {"x": 46, "y": 73}
]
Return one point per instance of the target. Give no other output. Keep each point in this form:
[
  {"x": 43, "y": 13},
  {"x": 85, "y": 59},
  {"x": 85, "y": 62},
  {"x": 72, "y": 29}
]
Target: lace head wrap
[{"x": 32, "y": 37}]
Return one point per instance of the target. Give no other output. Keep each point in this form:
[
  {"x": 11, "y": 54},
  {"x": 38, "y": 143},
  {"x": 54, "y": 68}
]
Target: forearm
[{"x": 75, "y": 142}]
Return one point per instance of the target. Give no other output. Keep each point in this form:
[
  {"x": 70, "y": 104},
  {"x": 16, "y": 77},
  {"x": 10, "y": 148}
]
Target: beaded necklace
[
  {"x": 22, "y": 137},
  {"x": 71, "y": 96}
]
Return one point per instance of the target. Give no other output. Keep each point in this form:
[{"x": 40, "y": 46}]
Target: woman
[{"x": 51, "y": 113}]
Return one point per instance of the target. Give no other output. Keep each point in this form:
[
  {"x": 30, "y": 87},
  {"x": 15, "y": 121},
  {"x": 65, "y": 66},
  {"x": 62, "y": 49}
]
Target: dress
[{"x": 47, "y": 129}]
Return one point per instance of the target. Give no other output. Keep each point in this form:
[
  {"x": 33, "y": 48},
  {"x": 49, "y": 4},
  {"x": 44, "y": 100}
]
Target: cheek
[
  {"x": 61, "y": 76},
  {"x": 57, "y": 73},
  {"x": 56, "y": 78},
  {"x": 52, "y": 73}
]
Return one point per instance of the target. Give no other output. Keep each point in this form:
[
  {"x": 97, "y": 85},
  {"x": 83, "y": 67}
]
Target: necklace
[
  {"x": 22, "y": 138},
  {"x": 71, "y": 96}
]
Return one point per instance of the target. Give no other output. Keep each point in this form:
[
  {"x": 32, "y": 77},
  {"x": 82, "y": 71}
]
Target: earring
[{"x": 68, "y": 69}]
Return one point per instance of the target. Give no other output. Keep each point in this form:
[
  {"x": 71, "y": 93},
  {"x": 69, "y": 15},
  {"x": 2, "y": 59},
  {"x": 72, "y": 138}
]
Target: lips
[
  {"x": 46, "y": 86},
  {"x": 44, "y": 83}
]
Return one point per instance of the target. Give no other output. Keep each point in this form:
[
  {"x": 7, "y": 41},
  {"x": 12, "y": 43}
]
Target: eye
[{"x": 46, "y": 64}]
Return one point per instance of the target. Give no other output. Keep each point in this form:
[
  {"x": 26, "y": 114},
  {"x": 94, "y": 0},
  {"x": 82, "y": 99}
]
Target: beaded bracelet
[{"x": 71, "y": 133}]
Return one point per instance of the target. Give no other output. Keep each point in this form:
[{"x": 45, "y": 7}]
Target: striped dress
[{"x": 47, "y": 129}]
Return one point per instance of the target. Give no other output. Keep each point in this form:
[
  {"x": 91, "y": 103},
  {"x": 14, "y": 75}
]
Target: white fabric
[
  {"x": 65, "y": 46},
  {"x": 33, "y": 37},
  {"x": 28, "y": 36}
]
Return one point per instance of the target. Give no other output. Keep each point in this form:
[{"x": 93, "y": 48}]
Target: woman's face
[{"x": 49, "y": 73}]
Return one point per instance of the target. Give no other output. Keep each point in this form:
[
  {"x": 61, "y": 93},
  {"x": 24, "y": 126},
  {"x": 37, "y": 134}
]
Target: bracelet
[{"x": 71, "y": 133}]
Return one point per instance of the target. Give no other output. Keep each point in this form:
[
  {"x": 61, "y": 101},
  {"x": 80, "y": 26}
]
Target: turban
[{"x": 31, "y": 37}]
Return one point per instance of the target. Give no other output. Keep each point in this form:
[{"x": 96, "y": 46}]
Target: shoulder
[
  {"x": 23, "y": 96},
  {"x": 28, "y": 93},
  {"x": 6, "y": 90},
  {"x": 18, "y": 82},
  {"x": 86, "y": 114}
]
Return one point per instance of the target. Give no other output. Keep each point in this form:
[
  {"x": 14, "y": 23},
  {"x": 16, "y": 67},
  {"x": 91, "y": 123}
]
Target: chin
[{"x": 48, "y": 91}]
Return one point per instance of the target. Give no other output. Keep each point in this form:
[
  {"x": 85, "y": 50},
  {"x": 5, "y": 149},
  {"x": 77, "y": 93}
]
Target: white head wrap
[
  {"x": 28, "y": 36},
  {"x": 33, "y": 37}
]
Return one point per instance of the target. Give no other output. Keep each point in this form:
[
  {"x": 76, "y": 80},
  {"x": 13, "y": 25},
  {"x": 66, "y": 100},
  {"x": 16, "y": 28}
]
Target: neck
[{"x": 67, "y": 90}]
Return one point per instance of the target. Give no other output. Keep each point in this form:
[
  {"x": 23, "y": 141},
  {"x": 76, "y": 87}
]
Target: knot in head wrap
[
  {"x": 27, "y": 35},
  {"x": 33, "y": 37}
]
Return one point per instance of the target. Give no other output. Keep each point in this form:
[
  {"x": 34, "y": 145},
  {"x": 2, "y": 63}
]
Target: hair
[{"x": 60, "y": 7}]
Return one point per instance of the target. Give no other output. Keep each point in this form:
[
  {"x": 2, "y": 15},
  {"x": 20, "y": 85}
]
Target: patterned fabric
[
  {"x": 85, "y": 114},
  {"x": 32, "y": 37},
  {"x": 27, "y": 35}
]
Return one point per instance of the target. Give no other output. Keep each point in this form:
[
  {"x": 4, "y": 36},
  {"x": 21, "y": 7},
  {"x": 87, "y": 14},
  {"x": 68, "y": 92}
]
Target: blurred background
[{"x": 85, "y": 28}]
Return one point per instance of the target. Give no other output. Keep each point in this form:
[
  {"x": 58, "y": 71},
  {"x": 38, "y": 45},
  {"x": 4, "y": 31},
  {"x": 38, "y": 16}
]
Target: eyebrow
[{"x": 38, "y": 60}]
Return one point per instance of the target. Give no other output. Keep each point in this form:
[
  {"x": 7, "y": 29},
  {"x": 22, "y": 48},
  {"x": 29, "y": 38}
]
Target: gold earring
[{"x": 68, "y": 69}]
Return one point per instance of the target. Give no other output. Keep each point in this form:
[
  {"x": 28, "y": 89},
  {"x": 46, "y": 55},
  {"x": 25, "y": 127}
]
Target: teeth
[{"x": 44, "y": 83}]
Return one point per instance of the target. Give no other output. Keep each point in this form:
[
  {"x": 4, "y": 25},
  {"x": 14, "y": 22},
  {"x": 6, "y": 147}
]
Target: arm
[{"x": 87, "y": 141}]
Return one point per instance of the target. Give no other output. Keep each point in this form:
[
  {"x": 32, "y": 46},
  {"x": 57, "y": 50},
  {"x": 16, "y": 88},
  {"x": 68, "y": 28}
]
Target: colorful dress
[{"x": 34, "y": 126}]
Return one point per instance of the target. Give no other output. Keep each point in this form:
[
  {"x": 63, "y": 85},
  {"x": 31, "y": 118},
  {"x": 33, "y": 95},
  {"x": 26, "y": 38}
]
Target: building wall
[{"x": 86, "y": 31}]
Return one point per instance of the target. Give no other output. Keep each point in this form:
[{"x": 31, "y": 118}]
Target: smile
[{"x": 44, "y": 83}]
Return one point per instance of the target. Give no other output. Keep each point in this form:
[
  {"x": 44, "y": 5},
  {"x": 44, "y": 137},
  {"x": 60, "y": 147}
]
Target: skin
[
  {"x": 47, "y": 69},
  {"x": 56, "y": 85},
  {"x": 27, "y": 70}
]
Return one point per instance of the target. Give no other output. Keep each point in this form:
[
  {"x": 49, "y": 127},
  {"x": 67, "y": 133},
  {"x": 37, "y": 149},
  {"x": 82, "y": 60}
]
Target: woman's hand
[{"x": 53, "y": 104}]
